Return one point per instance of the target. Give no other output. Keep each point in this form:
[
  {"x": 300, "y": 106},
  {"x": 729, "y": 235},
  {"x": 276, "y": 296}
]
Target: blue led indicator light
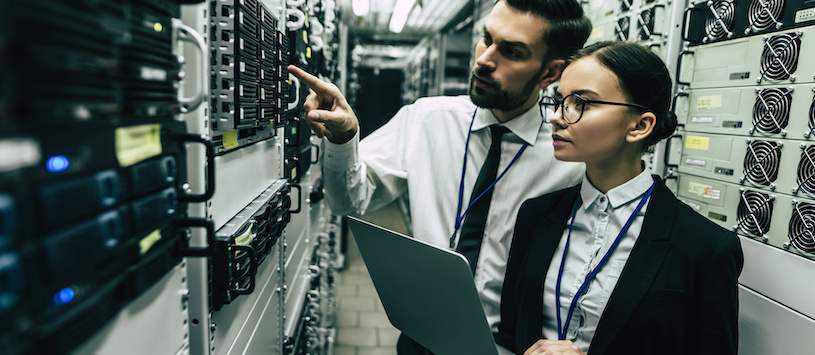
[
  {"x": 64, "y": 296},
  {"x": 57, "y": 163}
]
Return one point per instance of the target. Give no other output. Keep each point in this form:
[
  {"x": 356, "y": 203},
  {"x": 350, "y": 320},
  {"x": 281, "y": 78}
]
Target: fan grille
[
  {"x": 755, "y": 213},
  {"x": 812, "y": 116},
  {"x": 771, "y": 112},
  {"x": 779, "y": 60},
  {"x": 625, "y": 5},
  {"x": 802, "y": 227},
  {"x": 646, "y": 24},
  {"x": 765, "y": 14},
  {"x": 761, "y": 162},
  {"x": 719, "y": 21},
  {"x": 806, "y": 170},
  {"x": 622, "y": 28}
]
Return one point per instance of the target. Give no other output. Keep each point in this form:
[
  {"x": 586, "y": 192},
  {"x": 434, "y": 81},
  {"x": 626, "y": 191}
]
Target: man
[{"x": 435, "y": 149}]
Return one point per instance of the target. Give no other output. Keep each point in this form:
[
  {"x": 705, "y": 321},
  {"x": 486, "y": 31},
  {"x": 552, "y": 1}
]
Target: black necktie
[{"x": 472, "y": 231}]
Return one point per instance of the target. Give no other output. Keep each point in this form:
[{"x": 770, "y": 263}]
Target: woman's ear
[
  {"x": 643, "y": 127},
  {"x": 552, "y": 73}
]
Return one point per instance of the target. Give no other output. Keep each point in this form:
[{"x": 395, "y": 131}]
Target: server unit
[
  {"x": 92, "y": 165},
  {"x": 742, "y": 156}
]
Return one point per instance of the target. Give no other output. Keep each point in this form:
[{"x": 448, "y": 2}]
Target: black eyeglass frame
[{"x": 559, "y": 103}]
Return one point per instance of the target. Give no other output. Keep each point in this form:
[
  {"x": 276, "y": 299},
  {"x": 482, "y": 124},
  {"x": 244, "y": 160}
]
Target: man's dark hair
[{"x": 568, "y": 27}]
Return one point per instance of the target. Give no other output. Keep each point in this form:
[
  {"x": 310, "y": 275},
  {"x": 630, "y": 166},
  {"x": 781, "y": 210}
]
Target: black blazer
[{"x": 678, "y": 292}]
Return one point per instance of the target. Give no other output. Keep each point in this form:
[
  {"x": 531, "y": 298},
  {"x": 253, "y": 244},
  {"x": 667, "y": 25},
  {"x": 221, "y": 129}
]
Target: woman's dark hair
[
  {"x": 643, "y": 77},
  {"x": 568, "y": 27}
]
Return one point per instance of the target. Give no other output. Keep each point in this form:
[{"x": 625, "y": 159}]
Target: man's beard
[{"x": 501, "y": 99}]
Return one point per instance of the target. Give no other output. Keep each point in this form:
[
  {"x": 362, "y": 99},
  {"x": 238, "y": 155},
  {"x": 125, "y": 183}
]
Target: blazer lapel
[
  {"x": 643, "y": 264},
  {"x": 543, "y": 243}
]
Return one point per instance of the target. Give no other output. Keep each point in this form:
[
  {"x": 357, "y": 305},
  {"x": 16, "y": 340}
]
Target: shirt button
[{"x": 602, "y": 200}]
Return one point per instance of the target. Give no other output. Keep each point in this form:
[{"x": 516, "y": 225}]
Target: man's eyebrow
[{"x": 518, "y": 44}]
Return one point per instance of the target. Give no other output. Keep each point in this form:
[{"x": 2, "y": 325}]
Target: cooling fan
[
  {"x": 806, "y": 171},
  {"x": 771, "y": 112},
  {"x": 754, "y": 213},
  {"x": 811, "y": 121},
  {"x": 764, "y": 15},
  {"x": 622, "y": 28},
  {"x": 802, "y": 227},
  {"x": 779, "y": 59},
  {"x": 645, "y": 21},
  {"x": 625, "y": 5},
  {"x": 761, "y": 162},
  {"x": 719, "y": 23}
]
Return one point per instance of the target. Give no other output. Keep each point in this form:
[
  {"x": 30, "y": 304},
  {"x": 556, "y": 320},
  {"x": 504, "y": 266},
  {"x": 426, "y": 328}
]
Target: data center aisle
[{"x": 362, "y": 326}]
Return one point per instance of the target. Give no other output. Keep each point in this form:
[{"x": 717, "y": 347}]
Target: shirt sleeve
[{"x": 361, "y": 176}]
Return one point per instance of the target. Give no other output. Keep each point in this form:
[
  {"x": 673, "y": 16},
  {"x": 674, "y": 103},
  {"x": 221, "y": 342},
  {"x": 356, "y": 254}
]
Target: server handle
[
  {"x": 210, "y": 149},
  {"x": 686, "y": 24},
  {"x": 253, "y": 268},
  {"x": 210, "y": 230},
  {"x": 679, "y": 67},
  {"x": 666, "y": 158},
  {"x": 299, "y": 198},
  {"x": 188, "y": 34}
]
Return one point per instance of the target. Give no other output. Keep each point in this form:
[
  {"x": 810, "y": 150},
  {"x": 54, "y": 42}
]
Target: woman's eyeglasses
[{"x": 574, "y": 104}]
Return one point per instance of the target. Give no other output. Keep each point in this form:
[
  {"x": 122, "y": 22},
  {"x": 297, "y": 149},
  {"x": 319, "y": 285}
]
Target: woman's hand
[{"x": 553, "y": 347}]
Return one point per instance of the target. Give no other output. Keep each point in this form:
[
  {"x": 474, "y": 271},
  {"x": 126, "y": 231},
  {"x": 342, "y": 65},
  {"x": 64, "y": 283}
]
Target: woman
[{"x": 631, "y": 269}]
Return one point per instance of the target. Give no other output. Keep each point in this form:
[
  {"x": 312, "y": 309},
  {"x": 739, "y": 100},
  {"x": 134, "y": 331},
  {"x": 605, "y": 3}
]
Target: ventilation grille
[
  {"x": 719, "y": 23},
  {"x": 779, "y": 60},
  {"x": 811, "y": 119},
  {"x": 646, "y": 24},
  {"x": 622, "y": 28},
  {"x": 771, "y": 112},
  {"x": 765, "y": 14},
  {"x": 806, "y": 171},
  {"x": 754, "y": 213},
  {"x": 802, "y": 227},
  {"x": 625, "y": 5},
  {"x": 761, "y": 162}
]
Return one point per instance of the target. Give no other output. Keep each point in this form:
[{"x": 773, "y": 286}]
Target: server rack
[{"x": 741, "y": 154}]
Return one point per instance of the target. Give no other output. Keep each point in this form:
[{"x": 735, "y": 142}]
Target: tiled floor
[{"x": 362, "y": 326}]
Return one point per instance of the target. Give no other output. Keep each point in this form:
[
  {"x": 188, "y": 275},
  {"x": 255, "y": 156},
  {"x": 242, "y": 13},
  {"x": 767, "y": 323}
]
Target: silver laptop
[{"x": 428, "y": 292}]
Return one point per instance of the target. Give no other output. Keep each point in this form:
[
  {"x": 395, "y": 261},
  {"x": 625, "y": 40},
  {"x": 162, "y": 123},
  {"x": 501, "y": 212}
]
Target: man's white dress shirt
[{"x": 421, "y": 151}]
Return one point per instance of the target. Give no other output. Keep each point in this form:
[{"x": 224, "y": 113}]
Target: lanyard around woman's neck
[
  {"x": 563, "y": 329},
  {"x": 460, "y": 216}
]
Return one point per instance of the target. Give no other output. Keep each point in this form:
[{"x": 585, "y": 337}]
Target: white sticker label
[
  {"x": 701, "y": 119},
  {"x": 696, "y": 162},
  {"x": 711, "y": 193},
  {"x": 17, "y": 153},
  {"x": 695, "y": 206},
  {"x": 805, "y": 15},
  {"x": 148, "y": 73}
]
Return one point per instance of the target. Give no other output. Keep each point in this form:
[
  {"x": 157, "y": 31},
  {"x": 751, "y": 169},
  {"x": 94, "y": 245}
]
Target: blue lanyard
[
  {"x": 459, "y": 215},
  {"x": 563, "y": 329}
]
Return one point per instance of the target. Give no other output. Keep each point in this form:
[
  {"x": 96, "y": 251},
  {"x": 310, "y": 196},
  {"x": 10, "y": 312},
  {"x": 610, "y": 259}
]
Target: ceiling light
[
  {"x": 361, "y": 7},
  {"x": 400, "y": 15}
]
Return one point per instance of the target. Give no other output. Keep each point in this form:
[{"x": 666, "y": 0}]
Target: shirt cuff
[{"x": 343, "y": 156}]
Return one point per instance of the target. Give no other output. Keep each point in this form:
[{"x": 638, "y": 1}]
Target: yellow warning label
[
  {"x": 709, "y": 102},
  {"x": 247, "y": 236},
  {"x": 137, "y": 143},
  {"x": 705, "y": 191},
  {"x": 696, "y": 142},
  {"x": 308, "y": 52},
  {"x": 147, "y": 242},
  {"x": 596, "y": 33},
  {"x": 230, "y": 139}
]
